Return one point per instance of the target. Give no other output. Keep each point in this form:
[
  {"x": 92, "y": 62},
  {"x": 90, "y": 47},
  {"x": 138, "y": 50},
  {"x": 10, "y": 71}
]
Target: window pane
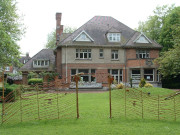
[
  {"x": 135, "y": 71},
  {"x": 148, "y": 71},
  {"x": 76, "y": 55},
  {"x": 81, "y": 55},
  {"x": 42, "y": 63},
  {"x": 92, "y": 70},
  {"x": 73, "y": 71},
  {"x": 114, "y": 71},
  {"x": 85, "y": 55},
  {"x": 112, "y": 56},
  {"x": 89, "y": 55},
  {"x": 116, "y": 56},
  {"x": 83, "y": 70},
  {"x": 148, "y": 77},
  {"x": 109, "y": 71}
]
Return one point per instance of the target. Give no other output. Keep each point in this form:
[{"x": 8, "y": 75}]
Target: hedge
[
  {"x": 8, "y": 89},
  {"x": 35, "y": 81}
]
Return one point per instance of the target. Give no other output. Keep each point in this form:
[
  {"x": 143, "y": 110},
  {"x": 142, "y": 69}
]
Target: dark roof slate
[
  {"x": 97, "y": 28},
  {"x": 44, "y": 54}
]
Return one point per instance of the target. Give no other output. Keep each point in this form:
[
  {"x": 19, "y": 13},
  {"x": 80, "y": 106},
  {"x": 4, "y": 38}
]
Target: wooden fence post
[
  {"x": 142, "y": 105},
  {"x": 77, "y": 102},
  {"x": 125, "y": 103},
  {"x": 158, "y": 107},
  {"x": 174, "y": 109},
  {"x": 37, "y": 89},
  {"x": 76, "y": 79},
  {"x": 20, "y": 103},
  {"x": 110, "y": 80},
  {"x": 57, "y": 105}
]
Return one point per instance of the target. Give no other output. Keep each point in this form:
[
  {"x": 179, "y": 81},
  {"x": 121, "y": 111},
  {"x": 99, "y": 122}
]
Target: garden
[{"x": 94, "y": 113}]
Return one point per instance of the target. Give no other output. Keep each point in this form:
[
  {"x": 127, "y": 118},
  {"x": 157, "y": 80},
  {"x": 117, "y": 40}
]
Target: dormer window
[
  {"x": 114, "y": 37},
  {"x": 41, "y": 63}
]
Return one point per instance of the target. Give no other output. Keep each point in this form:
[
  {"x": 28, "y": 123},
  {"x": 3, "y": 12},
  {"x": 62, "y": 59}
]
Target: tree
[
  {"x": 11, "y": 30},
  {"x": 51, "y": 38},
  {"x": 170, "y": 29},
  {"x": 160, "y": 26},
  {"x": 169, "y": 62}
]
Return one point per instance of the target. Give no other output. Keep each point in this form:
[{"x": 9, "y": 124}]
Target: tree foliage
[
  {"x": 51, "y": 38},
  {"x": 162, "y": 25},
  {"x": 11, "y": 30},
  {"x": 169, "y": 62}
]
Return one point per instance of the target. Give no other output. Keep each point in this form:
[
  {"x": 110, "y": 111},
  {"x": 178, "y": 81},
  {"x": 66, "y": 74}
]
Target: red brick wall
[
  {"x": 101, "y": 71},
  {"x": 133, "y": 62}
]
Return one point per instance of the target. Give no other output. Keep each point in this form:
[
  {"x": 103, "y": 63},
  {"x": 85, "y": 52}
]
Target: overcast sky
[{"x": 39, "y": 16}]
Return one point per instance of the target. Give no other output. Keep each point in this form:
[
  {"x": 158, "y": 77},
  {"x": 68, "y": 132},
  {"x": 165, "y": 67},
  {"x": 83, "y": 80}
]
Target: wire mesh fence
[
  {"x": 38, "y": 103},
  {"x": 45, "y": 101},
  {"x": 133, "y": 103}
]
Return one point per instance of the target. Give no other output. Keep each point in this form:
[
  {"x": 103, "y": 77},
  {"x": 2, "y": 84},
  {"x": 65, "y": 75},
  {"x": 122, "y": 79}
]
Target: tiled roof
[
  {"x": 99, "y": 26},
  {"x": 44, "y": 54},
  {"x": 97, "y": 29}
]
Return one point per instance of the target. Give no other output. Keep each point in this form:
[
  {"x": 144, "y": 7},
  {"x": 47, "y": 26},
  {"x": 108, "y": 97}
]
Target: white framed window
[
  {"x": 83, "y": 53},
  {"x": 89, "y": 74},
  {"x": 114, "y": 37},
  {"x": 136, "y": 75},
  {"x": 101, "y": 53},
  {"x": 114, "y": 54},
  {"x": 7, "y": 68},
  {"x": 41, "y": 63},
  {"x": 149, "y": 75},
  {"x": 117, "y": 74},
  {"x": 142, "y": 54}
]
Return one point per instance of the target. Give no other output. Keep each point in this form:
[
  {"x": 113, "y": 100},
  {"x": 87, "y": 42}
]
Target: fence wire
[
  {"x": 38, "y": 102},
  {"x": 133, "y": 103}
]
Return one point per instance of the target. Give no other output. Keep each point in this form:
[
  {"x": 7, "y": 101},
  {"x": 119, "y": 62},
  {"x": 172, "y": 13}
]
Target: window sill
[
  {"x": 114, "y": 59},
  {"x": 82, "y": 59},
  {"x": 101, "y": 57}
]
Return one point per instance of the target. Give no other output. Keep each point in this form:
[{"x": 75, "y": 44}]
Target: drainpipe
[{"x": 66, "y": 63}]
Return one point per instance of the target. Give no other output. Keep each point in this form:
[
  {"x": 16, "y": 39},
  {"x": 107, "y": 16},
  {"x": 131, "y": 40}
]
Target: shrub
[
  {"x": 142, "y": 83},
  {"x": 148, "y": 85},
  {"x": 120, "y": 86},
  {"x": 8, "y": 89},
  {"x": 115, "y": 82},
  {"x": 35, "y": 81}
]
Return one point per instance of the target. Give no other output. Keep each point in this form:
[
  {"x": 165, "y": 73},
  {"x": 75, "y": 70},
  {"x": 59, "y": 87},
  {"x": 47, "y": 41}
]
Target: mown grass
[{"x": 94, "y": 120}]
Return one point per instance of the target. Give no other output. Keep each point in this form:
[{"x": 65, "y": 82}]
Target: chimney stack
[
  {"x": 59, "y": 27},
  {"x": 27, "y": 54}
]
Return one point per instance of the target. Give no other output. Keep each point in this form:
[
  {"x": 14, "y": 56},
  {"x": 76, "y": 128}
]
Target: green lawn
[{"x": 94, "y": 120}]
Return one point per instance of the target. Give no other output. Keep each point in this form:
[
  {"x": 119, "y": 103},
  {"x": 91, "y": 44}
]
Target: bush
[
  {"x": 142, "y": 83},
  {"x": 148, "y": 85},
  {"x": 8, "y": 89},
  {"x": 34, "y": 81},
  {"x": 120, "y": 86}
]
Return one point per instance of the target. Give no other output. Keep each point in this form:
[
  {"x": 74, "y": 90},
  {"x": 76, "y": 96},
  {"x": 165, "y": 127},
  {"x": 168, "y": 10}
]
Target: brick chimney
[{"x": 59, "y": 27}]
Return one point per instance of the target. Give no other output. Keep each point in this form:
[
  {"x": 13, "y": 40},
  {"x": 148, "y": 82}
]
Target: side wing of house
[{"x": 42, "y": 61}]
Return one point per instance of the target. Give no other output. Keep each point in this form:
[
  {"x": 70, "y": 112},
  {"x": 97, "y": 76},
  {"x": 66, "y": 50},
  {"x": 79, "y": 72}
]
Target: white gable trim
[
  {"x": 85, "y": 34},
  {"x": 142, "y": 34}
]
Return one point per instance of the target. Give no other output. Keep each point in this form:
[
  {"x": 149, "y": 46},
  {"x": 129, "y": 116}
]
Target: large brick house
[
  {"x": 104, "y": 45},
  {"x": 100, "y": 47}
]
